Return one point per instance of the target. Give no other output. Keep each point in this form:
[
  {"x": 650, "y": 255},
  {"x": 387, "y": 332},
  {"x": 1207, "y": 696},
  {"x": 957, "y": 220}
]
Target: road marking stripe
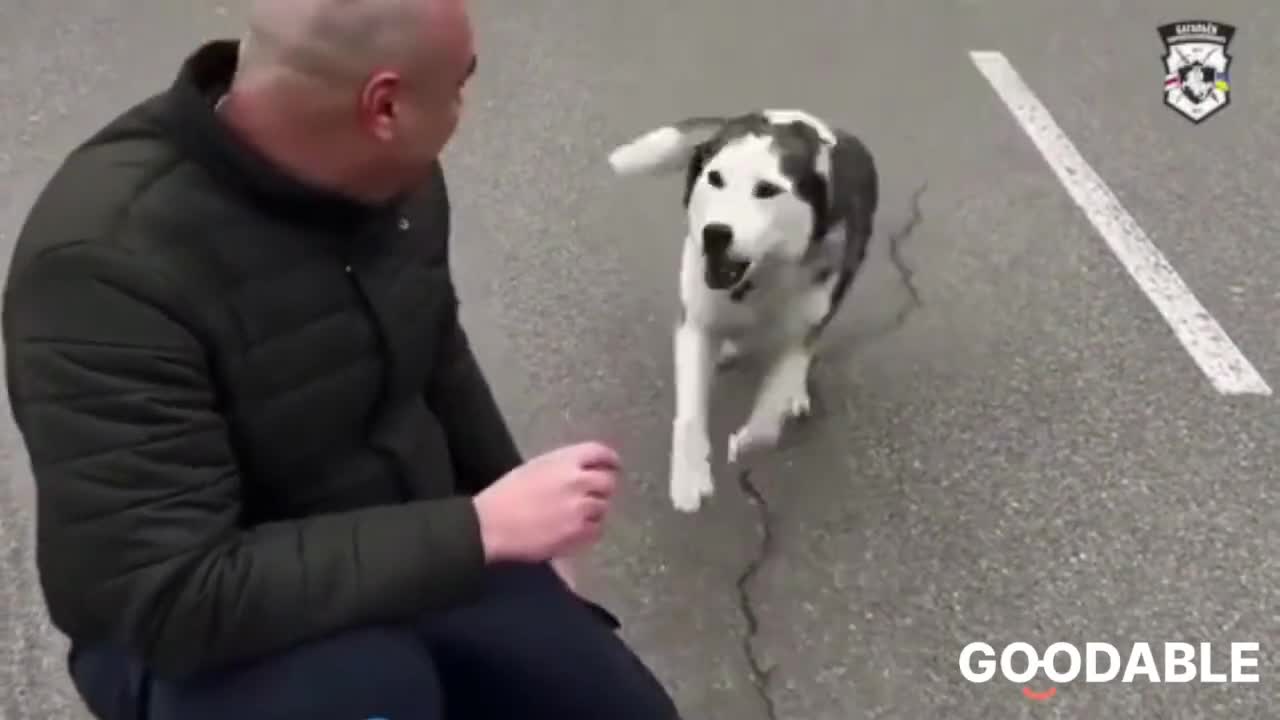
[{"x": 1207, "y": 343}]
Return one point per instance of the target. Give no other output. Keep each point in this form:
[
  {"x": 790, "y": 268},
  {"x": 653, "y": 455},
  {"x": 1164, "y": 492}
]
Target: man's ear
[{"x": 665, "y": 149}]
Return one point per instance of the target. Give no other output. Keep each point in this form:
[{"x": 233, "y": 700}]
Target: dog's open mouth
[{"x": 726, "y": 273}]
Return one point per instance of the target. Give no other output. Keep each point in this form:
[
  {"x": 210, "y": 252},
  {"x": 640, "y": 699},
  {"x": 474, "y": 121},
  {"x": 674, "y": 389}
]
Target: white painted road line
[{"x": 1222, "y": 362}]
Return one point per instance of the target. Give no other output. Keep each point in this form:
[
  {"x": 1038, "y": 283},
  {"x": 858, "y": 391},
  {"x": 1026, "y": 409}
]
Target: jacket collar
[{"x": 204, "y": 77}]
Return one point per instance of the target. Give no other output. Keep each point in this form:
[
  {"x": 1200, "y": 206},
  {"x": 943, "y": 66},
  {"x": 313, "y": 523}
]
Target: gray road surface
[{"x": 1030, "y": 456}]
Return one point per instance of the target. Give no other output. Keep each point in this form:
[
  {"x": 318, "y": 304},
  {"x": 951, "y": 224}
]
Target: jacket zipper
[{"x": 384, "y": 364}]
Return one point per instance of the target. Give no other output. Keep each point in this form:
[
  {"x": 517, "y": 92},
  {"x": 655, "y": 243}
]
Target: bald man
[{"x": 273, "y": 482}]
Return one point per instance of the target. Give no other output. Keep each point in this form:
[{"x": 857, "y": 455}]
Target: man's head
[{"x": 358, "y": 94}]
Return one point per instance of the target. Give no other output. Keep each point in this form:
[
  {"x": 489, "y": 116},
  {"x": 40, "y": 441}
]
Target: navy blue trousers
[{"x": 529, "y": 649}]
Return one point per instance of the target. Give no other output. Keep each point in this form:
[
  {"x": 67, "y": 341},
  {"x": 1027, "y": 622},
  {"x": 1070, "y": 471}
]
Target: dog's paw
[
  {"x": 798, "y": 406},
  {"x": 688, "y": 490},
  {"x": 752, "y": 437},
  {"x": 689, "y": 485},
  {"x": 691, "y": 479}
]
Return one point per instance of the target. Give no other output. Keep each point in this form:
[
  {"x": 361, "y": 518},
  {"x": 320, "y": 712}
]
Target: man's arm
[
  {"x": 139, "y": 492},
  {"x": 479, "y": 438}
]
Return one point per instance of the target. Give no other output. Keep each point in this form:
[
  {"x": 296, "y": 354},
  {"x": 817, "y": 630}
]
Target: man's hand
[{"x": 550, "y": 506}]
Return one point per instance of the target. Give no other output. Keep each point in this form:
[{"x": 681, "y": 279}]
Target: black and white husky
[{"x": 780, "y": 207}]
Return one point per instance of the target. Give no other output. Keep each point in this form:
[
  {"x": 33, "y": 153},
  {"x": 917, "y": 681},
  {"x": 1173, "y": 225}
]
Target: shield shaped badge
[{"x": 1197, "y": 80}]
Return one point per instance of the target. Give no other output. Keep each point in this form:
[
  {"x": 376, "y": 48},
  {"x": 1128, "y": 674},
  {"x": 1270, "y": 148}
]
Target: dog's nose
[{"x": 716, "y": 238}]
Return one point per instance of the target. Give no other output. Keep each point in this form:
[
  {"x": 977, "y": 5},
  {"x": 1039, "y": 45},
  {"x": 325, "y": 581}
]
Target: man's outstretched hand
[{"x": 549, "y": 507}]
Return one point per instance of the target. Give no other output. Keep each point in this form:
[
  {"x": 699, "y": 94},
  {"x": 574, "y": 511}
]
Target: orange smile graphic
[{"x": 1039, "y": 696}]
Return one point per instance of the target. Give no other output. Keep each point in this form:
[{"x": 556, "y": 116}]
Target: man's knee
[
  {"x": 556, "y": 655},
  {"x": 367, "y": 673},
  {"x": 621, "y": 681},
  {"x": 592, "y": 672}
]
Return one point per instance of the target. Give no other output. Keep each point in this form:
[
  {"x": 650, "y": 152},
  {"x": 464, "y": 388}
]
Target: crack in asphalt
[
  {"x": 905, "y": 272},
  {"x": 762, "y": 677}
]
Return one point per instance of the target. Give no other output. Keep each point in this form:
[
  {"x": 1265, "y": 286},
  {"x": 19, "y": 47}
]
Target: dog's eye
[
  {"x": 716, "y": 179},
  {"x": 766, "y": 190}
]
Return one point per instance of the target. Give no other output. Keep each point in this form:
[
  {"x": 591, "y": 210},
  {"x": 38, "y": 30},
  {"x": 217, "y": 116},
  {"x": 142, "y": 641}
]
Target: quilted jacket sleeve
[{"x": 139, "y": 540}]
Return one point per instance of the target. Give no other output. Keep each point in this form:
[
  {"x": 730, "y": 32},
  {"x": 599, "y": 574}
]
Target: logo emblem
[{"x": 1196, "y": 82}]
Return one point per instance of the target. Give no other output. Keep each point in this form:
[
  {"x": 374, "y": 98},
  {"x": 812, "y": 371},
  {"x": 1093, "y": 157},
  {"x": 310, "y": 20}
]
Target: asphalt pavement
[{"x": 1010, "y": 443}]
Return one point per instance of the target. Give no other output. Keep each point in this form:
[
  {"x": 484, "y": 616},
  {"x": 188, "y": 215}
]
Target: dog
[{"x": 779, "y": 208}]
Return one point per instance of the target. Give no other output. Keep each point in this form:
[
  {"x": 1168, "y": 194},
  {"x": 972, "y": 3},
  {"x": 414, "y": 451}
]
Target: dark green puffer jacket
[{"x": 252, "y": 415}]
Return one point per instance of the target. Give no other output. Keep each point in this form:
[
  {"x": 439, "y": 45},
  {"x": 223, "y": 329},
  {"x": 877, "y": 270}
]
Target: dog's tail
[{"x": 664, "y": 149}]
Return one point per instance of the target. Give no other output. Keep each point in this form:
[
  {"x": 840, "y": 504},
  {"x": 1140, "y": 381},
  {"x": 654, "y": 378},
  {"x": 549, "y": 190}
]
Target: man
[{"x": 272, "y": 481}]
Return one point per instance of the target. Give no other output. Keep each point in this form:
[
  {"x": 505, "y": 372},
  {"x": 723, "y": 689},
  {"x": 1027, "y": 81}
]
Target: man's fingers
[
  {"x": 594, "y": 510},
  {"x": 596, "y": 455},
  {"x": 599, "y": 484},
  {"x": 592, "y": 527}
]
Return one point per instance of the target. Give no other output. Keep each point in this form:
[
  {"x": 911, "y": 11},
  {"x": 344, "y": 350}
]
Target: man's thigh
[
  {"x": 368, "y": 673},
  {"x": 530, "y": 648}
]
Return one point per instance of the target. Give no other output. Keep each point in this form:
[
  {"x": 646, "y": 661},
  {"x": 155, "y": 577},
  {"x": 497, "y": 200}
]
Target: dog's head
[{"x": 756, "y": 187}]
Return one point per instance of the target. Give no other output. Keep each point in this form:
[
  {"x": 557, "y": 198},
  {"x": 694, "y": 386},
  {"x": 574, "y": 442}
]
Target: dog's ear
[{"x": 665, "y": 149}]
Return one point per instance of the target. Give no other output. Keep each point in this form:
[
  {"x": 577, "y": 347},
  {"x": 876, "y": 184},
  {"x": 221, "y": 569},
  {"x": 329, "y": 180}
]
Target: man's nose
[{"x": 716, "y": 238}]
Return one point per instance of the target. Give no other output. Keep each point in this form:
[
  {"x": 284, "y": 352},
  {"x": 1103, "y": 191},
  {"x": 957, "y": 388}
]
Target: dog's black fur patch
[
  {"x": 855, "y": 192},
  {"x": 799, "y": 145},
  {"x": 730, "y": 129}
]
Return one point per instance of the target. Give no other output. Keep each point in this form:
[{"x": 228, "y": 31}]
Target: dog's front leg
[
  {"x": 783, "y": 396},
  {"x": 690, "y": 442}
]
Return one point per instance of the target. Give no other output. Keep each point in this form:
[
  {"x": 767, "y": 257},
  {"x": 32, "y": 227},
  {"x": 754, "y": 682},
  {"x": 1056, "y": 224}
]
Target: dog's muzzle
[{"x": 723, "y": 271}]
